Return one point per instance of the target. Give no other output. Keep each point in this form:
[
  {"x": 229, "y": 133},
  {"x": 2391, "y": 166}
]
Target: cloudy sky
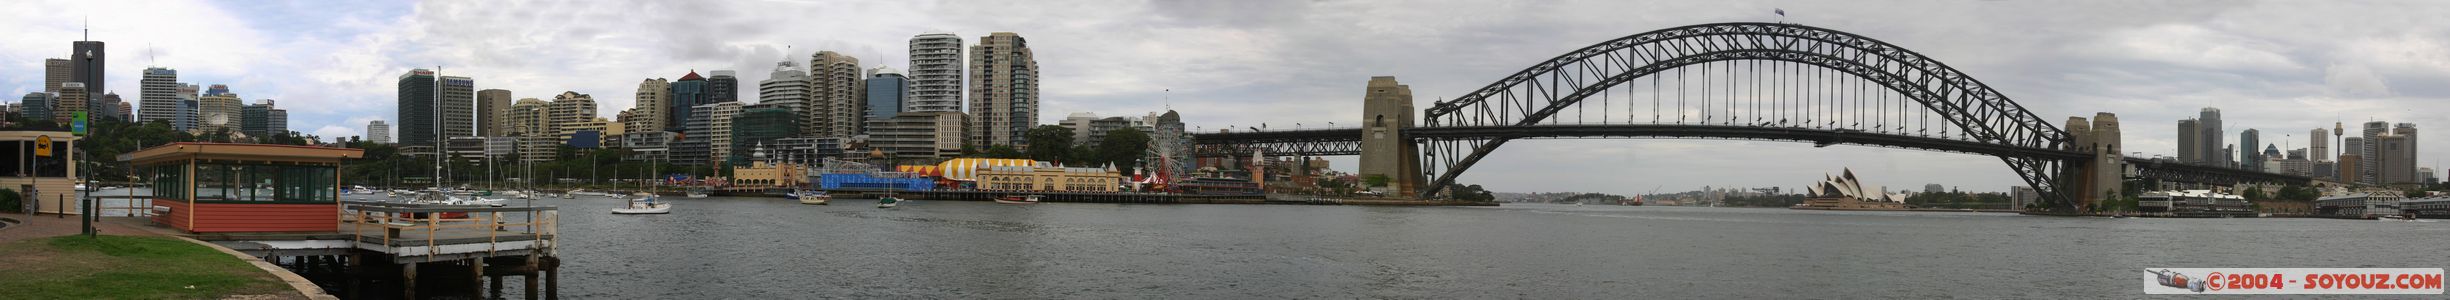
[{"x": 2281, "y": 66}]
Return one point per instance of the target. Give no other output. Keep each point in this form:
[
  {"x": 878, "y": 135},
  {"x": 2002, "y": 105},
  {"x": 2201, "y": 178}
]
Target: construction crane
[{"x": 1637, "y": 199}]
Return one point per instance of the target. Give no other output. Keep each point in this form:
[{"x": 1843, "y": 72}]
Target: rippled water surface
[{"x": 771, "y": 248}]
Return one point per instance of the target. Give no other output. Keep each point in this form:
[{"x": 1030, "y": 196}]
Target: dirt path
[{"x": 43, "y": 226}]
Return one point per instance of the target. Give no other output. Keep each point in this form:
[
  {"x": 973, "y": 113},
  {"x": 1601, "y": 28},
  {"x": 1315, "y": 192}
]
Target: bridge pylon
[
  {"x": 2102, "y": 176},
  {"x": 1386, "y": 112}
]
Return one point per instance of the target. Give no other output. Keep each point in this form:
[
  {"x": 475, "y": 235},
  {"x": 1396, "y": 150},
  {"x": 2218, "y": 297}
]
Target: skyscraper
[
  {"x": 2398, "y": 163},
  {"x": 787, "y": 89},
  {"x": 2210, "y": 139},
  {"x": 649, "y": 109},
  {"x": 935, "y": 73},
  {"x": 57, "y": 71},
  {"x": 2250, "y": 157},
  {"x": 106, "y": 106},
  {"x": 722, "y": 86},
  {"x": 492, "y": 105},
  {"x": 89, "y": 59},
  {"x": 186, "y": 116},
  {"x": 159, "y": 98},
  {"x": 2190, "y": 148},
  {"x": 458, "y": 106},
  {"x": 1003, "y": 91},
  {"x": 378, "y": 132},
  {"x": 2372, "y": 168},
  {"x": 887, "y": 88},
  {"x": 2320, "y": 145},
  {"x": 835, "y": 84},
  {"x": 687, "y": 92},
  {"x": 418, "y": 123}
]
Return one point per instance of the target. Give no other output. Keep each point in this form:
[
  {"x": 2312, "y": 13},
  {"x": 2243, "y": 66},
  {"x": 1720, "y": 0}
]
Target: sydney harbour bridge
[{"x": 1739, "y": 81}]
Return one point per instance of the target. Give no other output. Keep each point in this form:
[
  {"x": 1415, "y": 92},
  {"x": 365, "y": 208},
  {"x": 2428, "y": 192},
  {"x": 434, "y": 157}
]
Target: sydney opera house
[{"x": 1844, "y": 192}]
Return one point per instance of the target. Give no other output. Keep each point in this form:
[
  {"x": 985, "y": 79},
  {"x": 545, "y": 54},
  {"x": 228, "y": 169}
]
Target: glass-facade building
[
  {"x": 886, "y": 90},
  {"x": 687, "y": 92}
]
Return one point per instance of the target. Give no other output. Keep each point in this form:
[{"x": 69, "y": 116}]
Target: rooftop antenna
[
  {"x": 89, "y": 27},
  {"x": 1169, "y": 99}
]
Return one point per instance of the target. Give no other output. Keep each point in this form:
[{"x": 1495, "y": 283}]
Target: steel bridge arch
[{"x": 1537, "y": 93}]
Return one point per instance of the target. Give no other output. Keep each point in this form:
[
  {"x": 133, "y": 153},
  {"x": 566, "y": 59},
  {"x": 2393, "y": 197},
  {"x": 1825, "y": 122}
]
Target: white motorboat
[
  {"x": 495, "y": 202},
  {"x": 813, "y": 197},
  {"x": 645, "y": 204},
  {"x": 697, "y": 192},
  {"x": 1018, "y": 199}
]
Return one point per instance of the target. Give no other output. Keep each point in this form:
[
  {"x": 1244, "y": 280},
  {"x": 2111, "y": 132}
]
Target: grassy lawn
[{"x": 125, "y": 267}]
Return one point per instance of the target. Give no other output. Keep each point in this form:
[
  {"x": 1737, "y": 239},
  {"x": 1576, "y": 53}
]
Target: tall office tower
[
  {"x": 458, "y": 106},
  {"x": 2190, "y": 150},
  {"x": 2320, "y": 145},
  {"x": 2397, "y": 153},
  {"x": 649, "y": 109},
  {"x": 570, "y": 113},
  {"x": 2210, "y": 139},
  {"x": 887, "y": 88},
  {"x": 418, "y": 115},
  {"x": 935, "y": 73},
  {"x": 2391, "y": 155},
  {"x": 57, "y": 71},
  {"x": 2251, "y": 158},
  {"x": 37, "y": 106},
  {"x": 492, "y": 105},
  {"x": 2409, "y": 130},
  {"x": 89, "y": 59},
  {"x": 218, "y": 110},
  {"x": 263, "y": 119},
  {"x": 378, "y": 132},
  {"x": 70, "y": 101},
  {"x": 2371, "y": 168},
  {"x": 1003, "y": 91},
  {"x": 2352, "y": 159},
  {"x": 835, "y": 84},
  {"x": 185, "y": 117},
  {"x": 722, "y": 86},
  {"x": 159, "y": 97},
  {"x": 787, "y": 88},
  {"x": 687, "y": 93}
]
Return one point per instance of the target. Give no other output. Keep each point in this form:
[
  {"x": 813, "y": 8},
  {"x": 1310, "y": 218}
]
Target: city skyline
[{"x": 2263, "y": 64}]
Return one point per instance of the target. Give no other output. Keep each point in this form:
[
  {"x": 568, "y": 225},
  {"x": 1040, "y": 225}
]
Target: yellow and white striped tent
[{"x": 967, "y": 168}]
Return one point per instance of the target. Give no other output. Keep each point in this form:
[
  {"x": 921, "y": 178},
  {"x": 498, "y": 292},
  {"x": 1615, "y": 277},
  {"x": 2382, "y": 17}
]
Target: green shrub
[{"x": 10, "y": 201}]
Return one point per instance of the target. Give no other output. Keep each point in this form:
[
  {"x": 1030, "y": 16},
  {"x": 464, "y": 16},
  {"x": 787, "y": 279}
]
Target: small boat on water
[
  {"x": 1018, "y": 199},
  {"x": 495, "y": 202},
  {"x": 697, "y": 192},
  {"x": 812, "y": 197},
  {"x": 888, "y": 202},
  {"x": 644, "y": 205}
]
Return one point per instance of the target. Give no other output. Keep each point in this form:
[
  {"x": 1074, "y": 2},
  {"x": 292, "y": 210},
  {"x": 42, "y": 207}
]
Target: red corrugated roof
[{"x": 693, "y": 75}]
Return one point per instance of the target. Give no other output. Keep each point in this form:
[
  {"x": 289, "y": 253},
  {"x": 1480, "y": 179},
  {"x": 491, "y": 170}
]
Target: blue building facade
[
  {"x": 689, "y": 91},
  {"x": 886, "y": 90}
]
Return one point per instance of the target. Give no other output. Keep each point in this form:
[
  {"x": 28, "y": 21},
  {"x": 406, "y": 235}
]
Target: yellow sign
[{"x": 42, "y": 146}]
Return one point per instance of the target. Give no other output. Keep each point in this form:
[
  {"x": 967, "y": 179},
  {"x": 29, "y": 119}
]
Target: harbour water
[{"x": 718, "y": 248}]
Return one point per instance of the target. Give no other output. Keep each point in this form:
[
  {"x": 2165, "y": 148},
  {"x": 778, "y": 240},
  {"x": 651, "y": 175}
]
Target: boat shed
[{"x": 221, "y": 187}]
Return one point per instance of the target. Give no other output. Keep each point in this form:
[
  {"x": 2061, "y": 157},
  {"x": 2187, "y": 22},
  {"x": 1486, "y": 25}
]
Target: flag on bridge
[{"x": 1781, "y": 12}]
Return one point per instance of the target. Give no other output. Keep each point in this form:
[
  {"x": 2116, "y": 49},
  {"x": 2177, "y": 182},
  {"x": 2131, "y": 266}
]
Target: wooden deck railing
[{"x": 395, "y": 222}]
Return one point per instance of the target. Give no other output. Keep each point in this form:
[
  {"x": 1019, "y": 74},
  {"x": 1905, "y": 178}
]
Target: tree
[
  {"x": 1050, "y": 143},
  {"x": 2255, "y": 194},
  {"x": 1376, "y": 180},
  {"x": 1123, "y": 147}
]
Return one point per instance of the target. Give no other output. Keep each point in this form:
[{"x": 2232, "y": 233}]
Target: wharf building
[
  {"x": 2192, "y": 202},
  {"x": 2366, "y": 204}
]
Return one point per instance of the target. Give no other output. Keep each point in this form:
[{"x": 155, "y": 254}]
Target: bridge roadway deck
[{"x": 1816, "y": 136}]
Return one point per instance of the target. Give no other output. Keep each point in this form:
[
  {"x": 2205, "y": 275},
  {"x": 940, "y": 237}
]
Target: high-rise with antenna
[{"x": 88, "y": 58}]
